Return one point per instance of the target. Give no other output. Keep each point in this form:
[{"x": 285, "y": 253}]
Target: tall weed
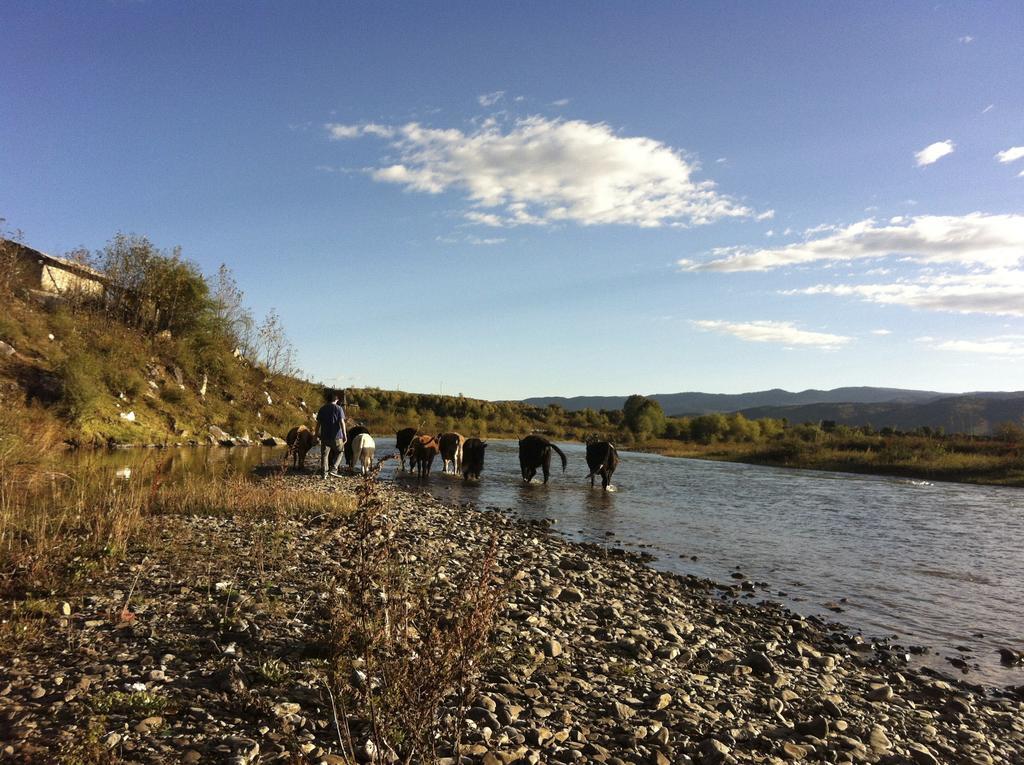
[{"x": 403, "y": 638}]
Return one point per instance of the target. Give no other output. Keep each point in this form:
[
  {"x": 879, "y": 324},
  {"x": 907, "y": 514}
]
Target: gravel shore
[{"x": 596, "y": 658}]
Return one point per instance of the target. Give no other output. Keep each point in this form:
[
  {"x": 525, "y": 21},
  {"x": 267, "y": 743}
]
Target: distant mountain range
[{"x": 976, "y": 413}]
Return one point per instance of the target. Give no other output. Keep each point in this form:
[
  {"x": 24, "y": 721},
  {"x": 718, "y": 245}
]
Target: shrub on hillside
[{"x": 81, "y": 387}]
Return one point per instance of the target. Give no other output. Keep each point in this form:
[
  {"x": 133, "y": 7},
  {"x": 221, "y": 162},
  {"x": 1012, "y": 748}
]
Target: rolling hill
[
  {"x": 972, "y": 413},
  {"x": 703, "y": 403}
]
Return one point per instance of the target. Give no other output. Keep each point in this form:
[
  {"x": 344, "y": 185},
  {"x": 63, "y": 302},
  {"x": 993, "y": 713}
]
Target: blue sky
[{"x": 519, "y": 199}]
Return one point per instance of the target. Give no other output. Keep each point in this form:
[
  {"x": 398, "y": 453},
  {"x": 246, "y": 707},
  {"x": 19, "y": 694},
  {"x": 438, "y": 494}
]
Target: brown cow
[
  {"x": 450, "y": 446},
  {"x": 422, "y": 452},
  {"x": 300, "y": 440}
]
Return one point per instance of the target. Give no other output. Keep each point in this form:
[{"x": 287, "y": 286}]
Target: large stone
[
  {"x": 621, "y": 711},
  {"x": 816, "y": 726},
  {"x": 880, "y": 693},
  {"x": 570, "y": 595},
  {"x": 760, "y": 663},
  {"x": 878, "y": 739},
  {"x": 713, "y": 751},
  {"x": 794, "y": 751},
  {"x": 922, "y": 755}
]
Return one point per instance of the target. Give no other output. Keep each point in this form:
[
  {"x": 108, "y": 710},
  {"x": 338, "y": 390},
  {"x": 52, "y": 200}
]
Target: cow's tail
[{"x": 562, "y": 455}]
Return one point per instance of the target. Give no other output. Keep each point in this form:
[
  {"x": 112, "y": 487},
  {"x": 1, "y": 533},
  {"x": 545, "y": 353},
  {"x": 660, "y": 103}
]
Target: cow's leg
[{"x": 546, "y": 465}]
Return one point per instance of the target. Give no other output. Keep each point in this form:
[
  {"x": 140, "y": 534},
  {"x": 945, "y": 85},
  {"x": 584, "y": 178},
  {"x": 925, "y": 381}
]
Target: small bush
[
  {"x": 82, "y": 390},
  {"x": 172, "y": 394}
]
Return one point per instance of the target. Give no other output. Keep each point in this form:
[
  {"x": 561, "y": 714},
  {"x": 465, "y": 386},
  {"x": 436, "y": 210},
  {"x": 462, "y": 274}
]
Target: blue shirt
[{"x": 331, "y": 419}]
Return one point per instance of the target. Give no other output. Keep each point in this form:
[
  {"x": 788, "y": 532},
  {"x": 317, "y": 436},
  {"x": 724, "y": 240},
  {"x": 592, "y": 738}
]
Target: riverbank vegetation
[{"x": 169, "y": 355}]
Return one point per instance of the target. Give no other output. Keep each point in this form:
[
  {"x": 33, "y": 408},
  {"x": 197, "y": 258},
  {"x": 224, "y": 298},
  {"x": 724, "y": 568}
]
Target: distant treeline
[{"x": 640, "y": 421}]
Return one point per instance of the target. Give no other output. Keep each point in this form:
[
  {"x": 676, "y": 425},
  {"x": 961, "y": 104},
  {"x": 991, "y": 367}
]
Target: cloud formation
[
  {"x": 1002, "y": 345},
  {"x": 539, "y": 171},
  {"x": 1011, "y": 155},
  {"x": 781, "y": 332},
  {"x": 490, "y": 99},
  {"x": 932, "y": 153},
  {"x": 338, "y": 132},
  {"x": 999, "y": 292},
  {"x": 992, "y": 241}
]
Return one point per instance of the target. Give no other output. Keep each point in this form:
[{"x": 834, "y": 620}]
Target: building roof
[{"x": 80, "y": 269}]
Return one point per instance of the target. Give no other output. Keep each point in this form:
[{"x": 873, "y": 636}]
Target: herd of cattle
[{"x": 458, "y": 454}]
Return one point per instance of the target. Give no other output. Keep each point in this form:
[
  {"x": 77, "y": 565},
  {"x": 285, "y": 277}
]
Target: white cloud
[
  {"x": 476, "y": 241},
  {"x": 539, "y": 171},
  {"x": 560, "y": 102},
  {"x": 1011, "y": 155},
  {"x": 999, "y": 292},
  {"x": 988, "y": 108},
  {"x": 881, "y": 332},
  {"x": 934, "y": 152},
  {"x": 782, "y": 332},
  {"x": 1003, "y": 345},
  {"x": 966, "y": 39},
  {"x": 490, "y": 99},
  {"x": 993, "y": 241},
  {"x": 339, "y": 132}
]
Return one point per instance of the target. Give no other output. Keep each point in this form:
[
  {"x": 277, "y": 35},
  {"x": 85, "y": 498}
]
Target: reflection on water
[{"x": 935, "y": 564}]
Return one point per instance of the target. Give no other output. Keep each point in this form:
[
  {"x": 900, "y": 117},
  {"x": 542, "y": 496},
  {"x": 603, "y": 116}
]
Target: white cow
[{"x": 363, "y": 449}]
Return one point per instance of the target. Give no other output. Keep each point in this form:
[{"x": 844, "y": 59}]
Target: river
[{"x": 937, "y": 564}]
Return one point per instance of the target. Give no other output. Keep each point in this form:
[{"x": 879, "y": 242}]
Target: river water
[{"x": 939, "y": 565}]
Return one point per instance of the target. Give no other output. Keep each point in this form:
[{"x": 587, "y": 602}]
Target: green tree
[{"x": 644, "y": 416}]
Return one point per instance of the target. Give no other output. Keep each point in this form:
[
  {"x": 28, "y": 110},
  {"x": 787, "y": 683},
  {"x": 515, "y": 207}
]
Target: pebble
[{"x": 597, "y": 658}]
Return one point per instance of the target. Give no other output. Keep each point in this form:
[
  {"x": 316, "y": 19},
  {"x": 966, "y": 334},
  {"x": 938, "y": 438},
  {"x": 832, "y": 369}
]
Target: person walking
[{"x": 330, "y": 427}]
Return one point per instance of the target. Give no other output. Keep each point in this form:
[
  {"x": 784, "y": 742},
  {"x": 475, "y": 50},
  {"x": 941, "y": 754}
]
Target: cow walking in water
[
  {"x": 363, "y": 449},
  {"x": 422, "y": 453},
  {"x": 350, "y": 456},
  {"x": 472, "y": 458},
  {"x": 403, "y": 440},
  {"x": 300, "y": 440},
  {"x": 535, "y": 452},
  {"x": 602, "y": 459},
  {"x": 450, "y": 445}
]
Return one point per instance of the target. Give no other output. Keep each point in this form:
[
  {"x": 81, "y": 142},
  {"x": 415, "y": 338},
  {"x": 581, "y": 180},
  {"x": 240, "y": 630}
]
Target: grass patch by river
[
  {"x": 961, "y": 459},
  {"x": 59, "y": 522}
]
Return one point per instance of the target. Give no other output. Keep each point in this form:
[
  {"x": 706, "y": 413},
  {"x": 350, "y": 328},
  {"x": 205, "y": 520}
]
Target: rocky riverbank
[{"x": 595, "y": 658}]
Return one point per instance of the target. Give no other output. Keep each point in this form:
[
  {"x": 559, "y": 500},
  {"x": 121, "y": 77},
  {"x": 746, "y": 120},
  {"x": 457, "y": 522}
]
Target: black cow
[
  {"x": 472, "y": 458},
  {"x": 403, "y": 440},
  {"x": 602, "y": 459},
  {"x": 535, "y": 452},
  {"x": 352, "y": 433}
]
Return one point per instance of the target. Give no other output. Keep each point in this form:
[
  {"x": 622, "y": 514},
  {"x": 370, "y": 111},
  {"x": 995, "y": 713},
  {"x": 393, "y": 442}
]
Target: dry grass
[
  {"x": 57, "y": 524},
  {"x": 403, "y": 640}
]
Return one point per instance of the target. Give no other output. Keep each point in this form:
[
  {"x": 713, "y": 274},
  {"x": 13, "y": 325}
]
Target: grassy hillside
[
  {"x": 162, "y": 366},
  {"x": 115, "y": 371}
]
